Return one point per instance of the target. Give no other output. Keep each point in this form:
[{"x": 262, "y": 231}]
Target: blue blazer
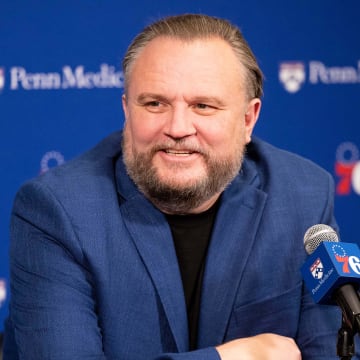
[{"x": 94, "y": 273}]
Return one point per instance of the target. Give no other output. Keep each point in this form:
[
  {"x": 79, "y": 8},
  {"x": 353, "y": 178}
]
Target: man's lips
[{"x": 179, "y": 152}]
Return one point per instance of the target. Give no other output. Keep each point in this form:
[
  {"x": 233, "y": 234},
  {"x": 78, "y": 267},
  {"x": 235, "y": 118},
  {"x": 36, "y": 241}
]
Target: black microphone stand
[
  {"x": 345, "y": 348},
  {"x": 348, "y": 300}
]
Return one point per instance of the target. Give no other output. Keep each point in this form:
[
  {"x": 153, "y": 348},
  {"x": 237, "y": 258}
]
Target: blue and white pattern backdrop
[{"x": 61, "y": 85}]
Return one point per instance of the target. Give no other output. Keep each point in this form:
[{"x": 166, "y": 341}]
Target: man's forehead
[
  {"x": 209, "y": 50},
  {"x": 187, "y": 41}
]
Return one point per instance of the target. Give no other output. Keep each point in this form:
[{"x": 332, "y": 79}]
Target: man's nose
[{"x": 180, "y": 123}]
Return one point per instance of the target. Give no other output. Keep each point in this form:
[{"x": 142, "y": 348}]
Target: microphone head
[{"x": 316, "y": 234}]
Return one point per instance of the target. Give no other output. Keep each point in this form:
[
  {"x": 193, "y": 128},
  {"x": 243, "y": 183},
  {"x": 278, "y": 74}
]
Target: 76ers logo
[
  {"x": 347, "y": 168},
  {"x": 349, "y": 262},
  {"x": 317, "y": 269}
]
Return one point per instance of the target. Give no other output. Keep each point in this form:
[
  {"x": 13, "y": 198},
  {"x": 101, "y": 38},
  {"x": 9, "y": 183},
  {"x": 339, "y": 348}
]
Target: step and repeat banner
[{"x": 61, "y": 85}]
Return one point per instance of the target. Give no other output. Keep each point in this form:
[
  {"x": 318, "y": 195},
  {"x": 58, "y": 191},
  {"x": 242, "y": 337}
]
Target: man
[{"x": 186, "y": 241}]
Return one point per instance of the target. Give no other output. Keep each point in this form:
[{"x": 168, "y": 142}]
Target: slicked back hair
[{"x": 189, "y": 27}]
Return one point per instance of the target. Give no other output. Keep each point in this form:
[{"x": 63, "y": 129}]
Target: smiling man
[
  {"x": 188, "y": 119},
  {"x": 181, "y": 236}
]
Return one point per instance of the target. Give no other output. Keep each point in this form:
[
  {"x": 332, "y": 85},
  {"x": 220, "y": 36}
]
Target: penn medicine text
[
  {"x": 77, "y": 78},
  {"x": 320, "y": 73}
]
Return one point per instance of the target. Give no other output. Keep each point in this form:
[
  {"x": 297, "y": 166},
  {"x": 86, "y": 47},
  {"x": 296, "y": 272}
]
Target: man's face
[{"x": 187, "y": 122}]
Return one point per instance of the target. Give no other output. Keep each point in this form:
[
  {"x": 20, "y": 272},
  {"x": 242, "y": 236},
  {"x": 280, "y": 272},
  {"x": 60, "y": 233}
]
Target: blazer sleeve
[{"x": 53, "y": 311}]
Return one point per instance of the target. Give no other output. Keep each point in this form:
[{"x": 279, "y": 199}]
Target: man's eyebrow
[
  {"x": 212, "y": 100},
  {"x": 150, "y": 96},
  {"x": 201, "y": 99}
]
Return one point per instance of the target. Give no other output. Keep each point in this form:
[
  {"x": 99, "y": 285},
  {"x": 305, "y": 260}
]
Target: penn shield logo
[
  {"x": 317, "y": 269},
  {"x": 2, "y": 78},
  {"x": 292, "y": 76}
]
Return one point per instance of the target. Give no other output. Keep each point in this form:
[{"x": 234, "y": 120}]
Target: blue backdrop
[{"x": 61, "y": 85}]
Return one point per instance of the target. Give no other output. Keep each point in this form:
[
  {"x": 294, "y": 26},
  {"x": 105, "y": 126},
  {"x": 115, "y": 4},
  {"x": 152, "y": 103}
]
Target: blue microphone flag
[{"x": 330, "y": 266}]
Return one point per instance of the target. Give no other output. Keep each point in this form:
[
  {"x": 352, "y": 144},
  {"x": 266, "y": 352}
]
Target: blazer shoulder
[
  {"x": 288, "y": 176},
  {"x": 82, "y": 184},
  {"x": 94, "y": 164},
  {"x": 274, "y": 161}
]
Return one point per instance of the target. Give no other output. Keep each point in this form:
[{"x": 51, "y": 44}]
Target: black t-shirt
[{"x": 191, "y": 235}]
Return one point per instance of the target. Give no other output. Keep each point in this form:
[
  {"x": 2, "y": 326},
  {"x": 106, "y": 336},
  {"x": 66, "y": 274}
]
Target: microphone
[{"x": 332, "y": 272}]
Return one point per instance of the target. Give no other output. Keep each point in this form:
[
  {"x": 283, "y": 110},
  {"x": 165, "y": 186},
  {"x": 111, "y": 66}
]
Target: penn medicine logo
[
  {"x": 317, "y": 269},
  {"x": 78, "y": 77},
  {"x": 293, "y": 76}
]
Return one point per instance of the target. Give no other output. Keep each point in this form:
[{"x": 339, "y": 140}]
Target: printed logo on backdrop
[
  {"x": 20, "y": 78},
  {"x": 347, "y": 169},
  {"x": 51, "y": 159},
  {"x": 293, "y": 75},
  {"x": 3, "y": 293},
  {"x": 2, "y": 78}
]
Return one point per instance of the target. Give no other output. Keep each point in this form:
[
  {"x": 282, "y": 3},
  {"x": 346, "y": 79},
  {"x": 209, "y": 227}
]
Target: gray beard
[{"x": 180, "y": 199}]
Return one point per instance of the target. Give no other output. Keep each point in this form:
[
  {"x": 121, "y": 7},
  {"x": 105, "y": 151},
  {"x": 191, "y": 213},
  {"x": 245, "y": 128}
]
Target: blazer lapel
[
  {"x": 233, "y": 236},
  {"x": 234, "y": 232},
  {"x": 152, "y": 237}
]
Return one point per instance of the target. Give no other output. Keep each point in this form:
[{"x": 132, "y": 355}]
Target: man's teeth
[{"x": 178, "y": 153}]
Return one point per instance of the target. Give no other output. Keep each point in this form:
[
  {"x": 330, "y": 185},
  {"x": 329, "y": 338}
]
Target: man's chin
[{"x": 181, "y": 183}]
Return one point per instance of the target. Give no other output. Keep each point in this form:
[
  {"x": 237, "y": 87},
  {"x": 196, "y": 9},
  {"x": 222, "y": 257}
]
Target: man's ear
[
  {"x": 125, "y": 106},
  {"x": 251, "y": 116}
]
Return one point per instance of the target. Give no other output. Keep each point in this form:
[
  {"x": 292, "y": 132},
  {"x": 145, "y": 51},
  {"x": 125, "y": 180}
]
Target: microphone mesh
[{"x": 316, "y": 234}]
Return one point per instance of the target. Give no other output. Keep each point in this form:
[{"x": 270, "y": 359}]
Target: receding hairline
[
  {"x": 240, "y": 68},
  {"x": 192, "y": 27}
]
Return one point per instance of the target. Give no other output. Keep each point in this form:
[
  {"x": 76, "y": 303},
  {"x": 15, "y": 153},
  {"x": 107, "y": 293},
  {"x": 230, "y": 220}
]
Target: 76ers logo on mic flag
[{"x": 331, "y": 265}]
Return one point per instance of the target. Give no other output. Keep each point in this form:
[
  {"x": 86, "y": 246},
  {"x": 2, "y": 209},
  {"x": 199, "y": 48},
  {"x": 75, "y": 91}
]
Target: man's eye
[
  {"x": 153, "y": 103},
  {"x": 202, "y": 106},
  {"x": 155, "y": 106},
  {"x": 205, "y": 109}
]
